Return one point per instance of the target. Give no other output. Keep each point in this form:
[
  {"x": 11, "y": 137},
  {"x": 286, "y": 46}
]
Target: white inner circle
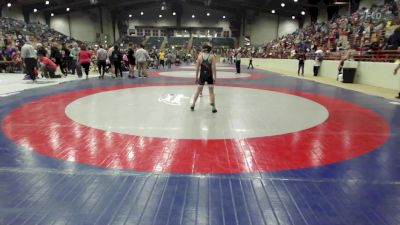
[
  {"x": 164, "y": 111},
  {"x": 218, "y": 68},
  {"x": 192, "y": 74}
]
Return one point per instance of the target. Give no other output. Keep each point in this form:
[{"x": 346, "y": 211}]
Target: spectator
[
  {"x": 394, "y": 40},
  {"x": 28, "y": 54},
  {"x": 131, "y": 60},
  {"x": 318, "y": 61},
  {"x": 162, "y": 59},
  {"x": 251, "y": 61},
  {"x": 169, "y": 59},
  {"x": 57, "y": 57},
  {"x": 115, "y": 59},
  {"x": 101, "y": 61},
  {"x": 302, "y": 58},
  {"x": 85, "y": 59},
  {"x": 238, "y": 57},
  {"x": 49, "y": 67},
  {"x": 142, "y": 56},
  {"x": 395, "y": 73},
  {"x": 66, "y": 59},
  {"x": 74, "y": 58}
]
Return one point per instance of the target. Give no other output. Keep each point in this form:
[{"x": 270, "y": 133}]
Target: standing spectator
[
  {"x": 251, "y": 61},
  {"x": 395, "y": 73},
  {"x": 101, "y": 61},
  {"x": 85, "y": 59},
  {"x": 109, "y": 52},
  {"x": 66, "y": 57},
  {"x": 169, "y": 59},
  {"x": 302, "y": 58},
  {"x": 162, "y": 59},
  {"x": 57, "y": 57},
  {"x": 154, "y": 56},
  {"x": 74, "y": 58},
  {"x": 131, "y": 60},
  {"x": 317, "y": 61},
  {"x": 115, "y": 59},
  {"x": 142, "y": 56},
  {"x": 28, "y": 54},
  {"x": 238, "y": 58}
]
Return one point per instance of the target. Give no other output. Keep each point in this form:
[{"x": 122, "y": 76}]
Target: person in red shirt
[
  {"x": 48, "y": 66},
  {"x": 85, "y": 59}
]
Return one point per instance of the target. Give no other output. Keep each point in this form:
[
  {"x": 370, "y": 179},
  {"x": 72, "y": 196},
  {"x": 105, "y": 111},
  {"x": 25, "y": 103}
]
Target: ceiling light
[
  {"x": 341, "y": 3},
  {"x": 293, "y": 17},
  {"x": 34, "y": 10},
  {"x": 174, "y": 13},
  {"x": 68, "y": 9},
  {"x": 163, "y": 6},
  {"x": 283, "y": 4},
  {"x": 9, "y": 4},
  {"x": 273, "y": 11},
  {"x": 52, "y": 14},
  {"x": 208, "y": 14},
  {"x": 160, "y": 16},
  {"x": 142, "y": 13},
  {"x": 303, "y": 13},
  {"x": 193, "y": 16},
  {"x": 295, "y": 0},
  {"x": 130, "y": 15},
  {"x": 223, "y": 17},
  {"x": 47, "y": 2}
]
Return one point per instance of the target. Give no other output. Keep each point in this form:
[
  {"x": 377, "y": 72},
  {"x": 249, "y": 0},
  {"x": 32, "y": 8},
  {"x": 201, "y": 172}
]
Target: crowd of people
[
  {"x": 52, "y": 52},
  {"x": 368, "y": 31},
  {"x": 15, "y": 33},
  {"x": 79, "y": 58}
]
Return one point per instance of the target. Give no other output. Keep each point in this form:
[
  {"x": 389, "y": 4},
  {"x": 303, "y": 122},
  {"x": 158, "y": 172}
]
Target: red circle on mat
[
  {"x": 252, "y": 75},
  {"x": 350, "y": 131}
]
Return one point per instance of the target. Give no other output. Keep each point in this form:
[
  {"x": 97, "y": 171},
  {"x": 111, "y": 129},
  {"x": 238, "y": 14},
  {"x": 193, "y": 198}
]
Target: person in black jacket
[
  {"x": 132, "y": 61},
  {"x": 301, "y": 57},
  {"x": 115, "y": 59},
  {"x": 56, "y": 56}
]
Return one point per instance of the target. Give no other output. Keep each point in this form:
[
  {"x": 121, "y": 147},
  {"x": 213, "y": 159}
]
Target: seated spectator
[{"x": 394, "y": 40}]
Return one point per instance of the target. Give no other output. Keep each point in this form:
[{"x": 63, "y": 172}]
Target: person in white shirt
[
  {"x": 28, "y": 54},
  {"x": 317, "y": 62},
  {"x": 142, "y": 56}
]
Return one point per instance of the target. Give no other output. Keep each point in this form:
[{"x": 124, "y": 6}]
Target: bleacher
[
  {"x": 133, "y": 39},
  {"x": 36, "y": 30},
  {"x": 154, "y": 42},
  {"x": 223, "y": 42},
  {"x": 198, "y": 42},
  {"x": 177, "y": 41}
]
